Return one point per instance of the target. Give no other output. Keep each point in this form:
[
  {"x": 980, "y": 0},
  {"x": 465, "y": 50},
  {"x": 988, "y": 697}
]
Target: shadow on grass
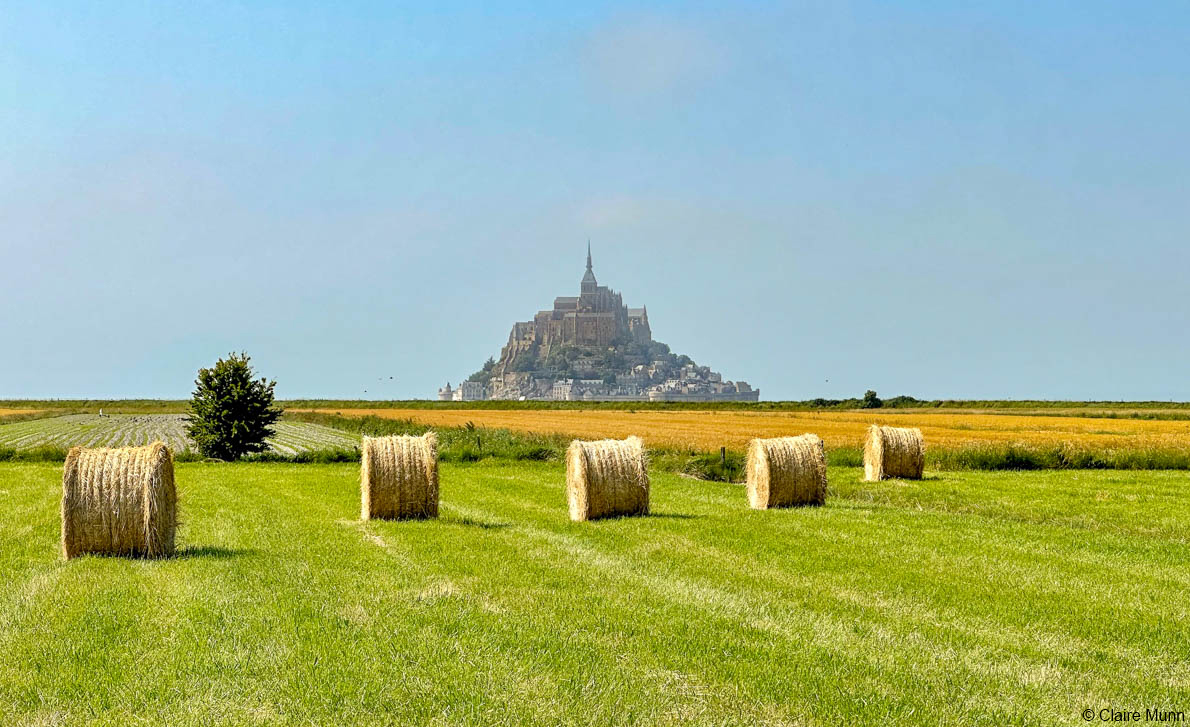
[
  {"x": 190, "y": 551},
  {"x": 674, "y": 516},
  {"x": 473, "y": 523},
  {"x": 213, "y": 552}
]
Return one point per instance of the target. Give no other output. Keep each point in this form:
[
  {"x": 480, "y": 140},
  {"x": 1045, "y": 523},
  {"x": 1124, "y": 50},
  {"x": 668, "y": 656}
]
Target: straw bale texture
[
  {"x": 786, "y": 471},
  {"x": 607, "y": 477},
  {"x": 119, "y": 501},
  {"x": 893, "y": 452},
  {"x": 399, "y": 477}
]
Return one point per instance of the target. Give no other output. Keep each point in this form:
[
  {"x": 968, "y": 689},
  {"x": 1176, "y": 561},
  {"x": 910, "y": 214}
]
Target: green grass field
[{"x": 967, "y": 598}]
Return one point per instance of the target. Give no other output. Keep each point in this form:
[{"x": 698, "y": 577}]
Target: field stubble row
[{"x": 119, "y": 430}]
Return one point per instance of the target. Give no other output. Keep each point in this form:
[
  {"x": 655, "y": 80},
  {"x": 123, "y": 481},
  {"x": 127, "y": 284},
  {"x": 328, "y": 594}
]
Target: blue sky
[{"x": 936, "y": 199}]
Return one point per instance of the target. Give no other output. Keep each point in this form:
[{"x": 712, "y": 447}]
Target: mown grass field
[
  {"x": 712, "y": 429},
  {"x": 122, "y": 430},
  {"x": 966, "y": 598}
]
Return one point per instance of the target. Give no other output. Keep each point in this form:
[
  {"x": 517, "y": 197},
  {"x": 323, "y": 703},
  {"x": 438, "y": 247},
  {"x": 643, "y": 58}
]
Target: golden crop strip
[
  {"x": 11, "y": 412},
  {"x": 709, "y": 430}
]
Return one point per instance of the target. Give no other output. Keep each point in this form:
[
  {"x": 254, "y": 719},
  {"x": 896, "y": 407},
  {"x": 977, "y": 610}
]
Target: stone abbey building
[
  {"x": 593, "y": 347},
  {"x": 596, "y": 318}
]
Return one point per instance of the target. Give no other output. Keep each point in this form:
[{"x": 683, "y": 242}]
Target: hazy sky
[{"x": 929, "y": 198}]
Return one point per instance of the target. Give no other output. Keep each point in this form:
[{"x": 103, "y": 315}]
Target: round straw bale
[
  {"x": 399, "y": 477},
  {"x": 607, "y": 477},
  {"x": 893, "y": 452},
  {"x": 786, "y": 471},
  {"x": 119, "y": 501}
]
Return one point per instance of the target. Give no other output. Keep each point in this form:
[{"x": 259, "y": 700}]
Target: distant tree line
[{"x": 871, "y": 401}]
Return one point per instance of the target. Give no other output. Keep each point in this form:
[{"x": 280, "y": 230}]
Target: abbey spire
[{"x": 589, "y": 283}]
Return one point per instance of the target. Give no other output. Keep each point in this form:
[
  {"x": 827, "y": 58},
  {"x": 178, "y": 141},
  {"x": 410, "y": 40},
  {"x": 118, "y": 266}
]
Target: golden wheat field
[
  {"x": 16, "y": 412},
  {"x": 708, "y": 430}
]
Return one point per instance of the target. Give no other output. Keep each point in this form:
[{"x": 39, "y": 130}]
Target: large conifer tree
[{"x": 231, "y": 413}]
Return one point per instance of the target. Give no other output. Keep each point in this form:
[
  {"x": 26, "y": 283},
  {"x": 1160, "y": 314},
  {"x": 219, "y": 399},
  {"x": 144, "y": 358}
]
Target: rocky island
[{"x": 592, "y": 347}]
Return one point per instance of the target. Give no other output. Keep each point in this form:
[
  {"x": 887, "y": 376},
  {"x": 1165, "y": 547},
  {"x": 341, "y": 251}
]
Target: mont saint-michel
[{"x": 592, "y": 347}]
